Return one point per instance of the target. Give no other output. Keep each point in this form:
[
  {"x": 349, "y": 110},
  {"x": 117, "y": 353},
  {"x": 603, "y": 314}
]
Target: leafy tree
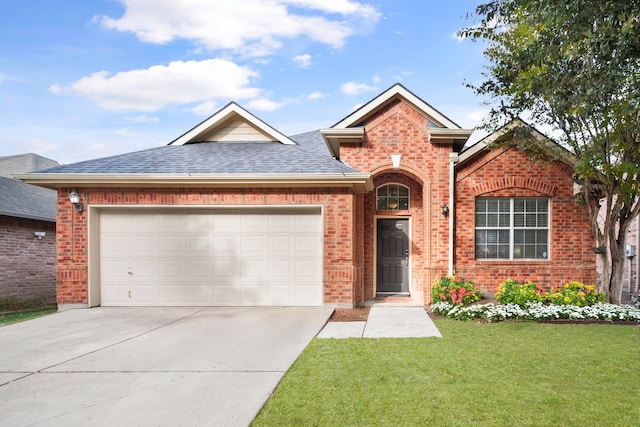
[{"x": 574, "y": 66}]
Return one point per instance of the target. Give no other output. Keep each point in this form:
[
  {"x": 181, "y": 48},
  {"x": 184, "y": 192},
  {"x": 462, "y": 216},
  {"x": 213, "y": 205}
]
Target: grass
[
  {"x": 21, "y": 316},
  {"x": 499, "y": 374}
]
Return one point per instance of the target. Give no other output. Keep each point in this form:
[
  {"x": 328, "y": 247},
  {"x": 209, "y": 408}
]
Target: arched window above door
[{"x": 393, "y": 197}]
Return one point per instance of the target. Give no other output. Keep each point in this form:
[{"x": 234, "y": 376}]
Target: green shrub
[
  {"x": 575, "y": 293},
  {"x": 514, "y": 292},
  {"x": 455, "y": 291}
]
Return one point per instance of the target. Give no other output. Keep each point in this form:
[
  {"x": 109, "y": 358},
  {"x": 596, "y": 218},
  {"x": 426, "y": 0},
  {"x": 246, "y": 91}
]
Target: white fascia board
[
  {"x": 333, "y": 137},
  {"x": 493, "y": 137},
  {"x": 222, "y": 115},
  {"x": 359, "y": 181},
  {"x": 395, "y": 90}
]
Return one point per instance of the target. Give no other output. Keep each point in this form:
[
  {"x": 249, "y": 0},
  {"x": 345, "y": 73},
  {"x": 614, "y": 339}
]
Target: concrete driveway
[{"x": 151, "y": 366}]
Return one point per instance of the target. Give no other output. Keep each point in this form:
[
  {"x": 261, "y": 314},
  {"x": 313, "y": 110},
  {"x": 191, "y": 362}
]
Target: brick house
[
  {"x": 383, "y": 203},
  {"x": 27, "y": 232}
]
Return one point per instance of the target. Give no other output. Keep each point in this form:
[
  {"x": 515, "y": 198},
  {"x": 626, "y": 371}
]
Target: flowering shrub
[
  {"x": 537, "y": 311},
  {"x": 576, "y": 293},
  {"x": 455, "y": 291},
  {"x": 514, "y": 292}
]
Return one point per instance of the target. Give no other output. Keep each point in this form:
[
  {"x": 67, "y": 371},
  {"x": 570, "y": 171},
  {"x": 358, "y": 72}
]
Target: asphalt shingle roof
[
  {"x": 21, "y": 200},
  {"x": 308, "y": 156}
]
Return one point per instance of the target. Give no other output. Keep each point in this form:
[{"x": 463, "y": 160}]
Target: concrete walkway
[{"x": 385, "y": 321}]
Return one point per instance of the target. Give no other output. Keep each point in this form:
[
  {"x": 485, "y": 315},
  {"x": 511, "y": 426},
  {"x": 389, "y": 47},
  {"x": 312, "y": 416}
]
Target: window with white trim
[
  {"x": 512, "y": 228},
  {"x": 393, "y": 197}
]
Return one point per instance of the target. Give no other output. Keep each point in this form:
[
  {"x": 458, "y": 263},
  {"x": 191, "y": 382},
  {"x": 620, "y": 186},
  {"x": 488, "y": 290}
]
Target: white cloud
[
  {"x": 142, "y": 118},
  {"x": 355, "y": 88},
  {"x": 250, "y": 27},
  {"x": 303, "y": 60},
  {"x": 263, "y": 104},
  {"x": 125, "y": 132},
  {"x": 317, "y": 95},
  {"x": 205, "y": 109},
  {"x": 158, "y": 86}
]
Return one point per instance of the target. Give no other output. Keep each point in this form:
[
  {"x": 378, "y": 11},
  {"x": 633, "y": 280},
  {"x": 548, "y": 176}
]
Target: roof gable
[
  {"x": 232, "y": 124},
  {"x": 438, "y": 120},
  {"x": 551, "y": 147},
  {"x": 441, "y": 129}
]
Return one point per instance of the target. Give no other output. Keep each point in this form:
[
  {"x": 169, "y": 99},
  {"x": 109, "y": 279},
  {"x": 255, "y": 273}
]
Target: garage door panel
[
  {"x": 173, "y": 269},
  {"x": 307, "y": 269},
  {"x": 308, "y": 223},
  {"x": 198, "y": 244},
  {"x": 281, "y": 246},
  {"x": 226, "y": 295},
  {"x": 224, "y": 245},
  {"x": 115, "y": 244},
  {"x": 281, "y": 269},
  {"x": 171, "y": 244},
  {"x": 253, "y": 222},
  {"x": 252, "y": 270},
  {"x": 199, "y": 269},
  {"x": 211, "y": 258},
  {"x": 197, "y": 223},
  {"x": 225, "y": 269},
  {"x": 281, "y": 223},
  {"x": 252, "y": 244},
  {"x": 116, "y": 269},
  {"x": 308, "y": 294},
  {"x": 308, "y": 245},
  {"x": 254, "y": 295}
]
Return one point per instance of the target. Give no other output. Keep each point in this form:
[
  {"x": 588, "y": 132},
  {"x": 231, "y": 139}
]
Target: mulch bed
[{"x": 357, "y": 314}]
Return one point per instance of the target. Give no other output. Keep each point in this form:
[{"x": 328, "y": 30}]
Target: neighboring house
[
  {"x": 27, "y": 232},
  {"x": 383, "y": 203}
]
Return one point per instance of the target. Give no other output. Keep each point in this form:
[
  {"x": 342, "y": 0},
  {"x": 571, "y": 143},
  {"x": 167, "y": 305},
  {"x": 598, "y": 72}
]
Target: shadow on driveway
[{"x": 149, "y": 366}]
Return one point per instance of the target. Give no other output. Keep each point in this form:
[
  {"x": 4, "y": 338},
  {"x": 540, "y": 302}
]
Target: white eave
[
  {"x": 449, "y": 135},
  {"x": 360, "y": 182},
  {"x": 482, "y": 145},
  {"x": 396, "y": 90},
  {"x": 333, "y": 137}
]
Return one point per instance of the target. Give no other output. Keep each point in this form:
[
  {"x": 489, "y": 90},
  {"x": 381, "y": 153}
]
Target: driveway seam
[{"x": 121, "y": 341}]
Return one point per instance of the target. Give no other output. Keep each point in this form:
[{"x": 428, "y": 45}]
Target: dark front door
[{"x": 393, "y": 256}]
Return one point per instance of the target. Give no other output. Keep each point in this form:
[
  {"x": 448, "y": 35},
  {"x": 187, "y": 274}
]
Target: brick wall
[
  {"x": 341, "y": 265},
  {"x": 400, "y": 129},
  {"x": 510, "y": 173},
  {"x": 27, "y": 264}
]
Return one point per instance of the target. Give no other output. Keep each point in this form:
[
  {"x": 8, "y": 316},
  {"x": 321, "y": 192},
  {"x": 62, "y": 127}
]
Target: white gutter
[
  {"x": 453, "y": 159},
  {"x": 361, "y": 182}
]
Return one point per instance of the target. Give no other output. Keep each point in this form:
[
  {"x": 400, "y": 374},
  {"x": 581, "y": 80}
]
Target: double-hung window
[{"x": 512, "y": 228}]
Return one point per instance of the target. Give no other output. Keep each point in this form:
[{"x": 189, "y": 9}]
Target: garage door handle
[{"x": 130, "y": 273}]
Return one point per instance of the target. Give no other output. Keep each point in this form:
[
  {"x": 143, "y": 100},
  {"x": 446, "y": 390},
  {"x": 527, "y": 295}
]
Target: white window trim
[
  {"x": 400, "y": 185},
  {"x": 512, "y": 228}
]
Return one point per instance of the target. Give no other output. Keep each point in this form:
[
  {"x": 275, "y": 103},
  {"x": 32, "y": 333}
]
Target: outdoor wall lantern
[
  {"x": 74, "y": 198},
  {"x": 445, "y": 210}
]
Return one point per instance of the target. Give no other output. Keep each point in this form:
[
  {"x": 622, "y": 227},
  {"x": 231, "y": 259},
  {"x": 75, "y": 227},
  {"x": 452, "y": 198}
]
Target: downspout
[{"x": 453, "y": 159}]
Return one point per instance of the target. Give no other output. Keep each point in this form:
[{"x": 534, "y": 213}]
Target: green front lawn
[
  {"x": 499, "y": 374},
  {"x": 9, "y": 318}
]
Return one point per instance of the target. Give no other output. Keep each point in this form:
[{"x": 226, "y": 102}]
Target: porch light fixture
[
  {"x": 74, "y": 198},
  {"x": 395, "y": 160},
  {"x": 445, "y": 210}
]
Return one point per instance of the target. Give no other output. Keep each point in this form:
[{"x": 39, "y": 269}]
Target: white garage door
[{"x": 219, "y": 258}]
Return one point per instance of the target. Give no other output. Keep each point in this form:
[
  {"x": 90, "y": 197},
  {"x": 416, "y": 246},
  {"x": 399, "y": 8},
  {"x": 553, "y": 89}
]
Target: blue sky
[{"x": 94, "y": 78}]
